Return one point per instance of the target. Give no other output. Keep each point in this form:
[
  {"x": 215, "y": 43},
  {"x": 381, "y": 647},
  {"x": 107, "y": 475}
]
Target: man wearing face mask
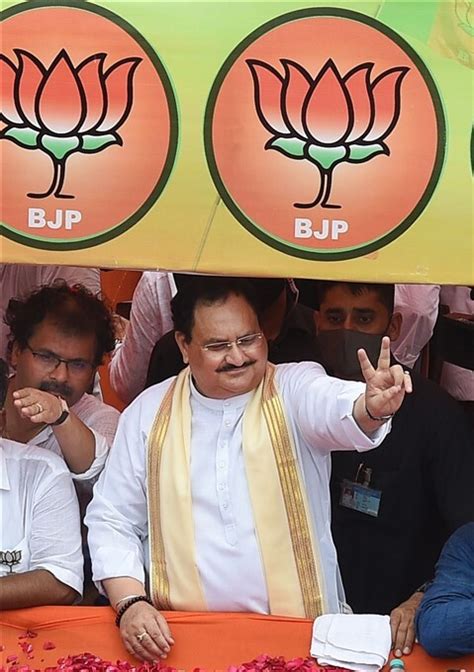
[{"x": 392, "y": 508}]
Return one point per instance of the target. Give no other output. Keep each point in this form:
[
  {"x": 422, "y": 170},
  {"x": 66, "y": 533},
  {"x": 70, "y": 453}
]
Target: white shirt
[
  {"x": 100, "y": 418},
  {"x": 419, "y": 305},
  {"x": 319, "y": 410},
  {"x": 20, "y": 279},
  {"x": 39, "y": 513},
  {"x": 150, "y": 319}
]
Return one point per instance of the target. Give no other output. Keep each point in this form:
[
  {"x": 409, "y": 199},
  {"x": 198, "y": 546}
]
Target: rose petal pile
[{"x": 88, "y": 662}]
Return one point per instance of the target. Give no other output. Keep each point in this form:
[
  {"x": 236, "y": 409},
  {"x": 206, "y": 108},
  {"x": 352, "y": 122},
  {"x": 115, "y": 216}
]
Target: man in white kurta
[
  {"x": 320, "y": 413},
  {"x": 40, "y": 529},
  {"x": 227, "y": 355}
]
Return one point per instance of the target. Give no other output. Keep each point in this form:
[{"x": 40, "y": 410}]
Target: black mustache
[
  {"x": 231, "y": 367},
  {"x": 62, "y": 389}
]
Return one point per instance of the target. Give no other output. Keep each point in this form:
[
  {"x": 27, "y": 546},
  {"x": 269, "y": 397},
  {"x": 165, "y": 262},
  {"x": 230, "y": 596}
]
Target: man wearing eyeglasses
[
  {"x": 58, "y": 337},
  {"x": 232, "y": 460}
]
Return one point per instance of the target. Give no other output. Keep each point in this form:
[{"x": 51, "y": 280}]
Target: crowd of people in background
[{"x": 254, "y": 422}]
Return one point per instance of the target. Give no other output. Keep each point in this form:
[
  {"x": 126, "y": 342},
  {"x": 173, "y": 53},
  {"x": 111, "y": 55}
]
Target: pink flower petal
[
  {"x": 268, "y": 85},
  {"x": 357, "y": 83},
  {"x": 61, "y": 105},
  {"x": 119, "y": 94},
  {"x": 47, "y": 646},
  {"x": 8, "y": 111},
  {"x": 30, "y": 75},
  {"x": 91, "y": 74},
  {"x": 328, "y": 113},
  {"x": 387, "y": 104},
  {"x": 295, "y": 89}
]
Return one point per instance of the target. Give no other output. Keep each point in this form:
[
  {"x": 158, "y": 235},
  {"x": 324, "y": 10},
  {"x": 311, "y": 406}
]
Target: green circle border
[
  {"x": 118, "y": 229},
  {"x": 255, "y": 229}
]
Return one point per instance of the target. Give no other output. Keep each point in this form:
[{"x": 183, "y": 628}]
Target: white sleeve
[
  {"x": 55, "y": 537},
  {"x": 150, "y": 319},
  {"x": 102, "y": 420},
  {"x": 320, "y": 407},
  {"x": 418, "y": 305},
  {"x": 117, "y": 515}
]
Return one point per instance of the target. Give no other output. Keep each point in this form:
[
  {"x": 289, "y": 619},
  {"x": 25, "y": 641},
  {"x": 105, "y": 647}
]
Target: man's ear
[
  {"x": 15, "y": 351},
  {"x": 182, "y": 345},
  {"x": 394, "y": 327}
]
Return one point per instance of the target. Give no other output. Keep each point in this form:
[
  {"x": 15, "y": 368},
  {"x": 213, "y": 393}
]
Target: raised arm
[{"x": 385, "y": 390}]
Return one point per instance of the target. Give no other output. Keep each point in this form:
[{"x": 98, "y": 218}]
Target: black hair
[
  {"x": 3, "y": 382},
  {"x": 207, "y": 290},
  {"x": 73, "y": 309},
  {"x": 385, "y": 292}
]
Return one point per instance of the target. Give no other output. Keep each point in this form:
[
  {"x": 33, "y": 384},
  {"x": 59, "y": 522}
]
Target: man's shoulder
[
  {"x": 150, "y": 399},
  {"x": 430, "y": 396},
  {"x": 33, "y": 456},
  {"x": 89, "y": 403},
  {"x": 300, "y": 373},
  {"x": 462, "y": 540}
]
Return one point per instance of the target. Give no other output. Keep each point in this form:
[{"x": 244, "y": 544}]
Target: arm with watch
[{"x": 76, "y": 440}]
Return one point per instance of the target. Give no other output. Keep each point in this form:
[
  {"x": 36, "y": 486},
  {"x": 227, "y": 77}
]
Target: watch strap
[{"x": 64, "y": 414}]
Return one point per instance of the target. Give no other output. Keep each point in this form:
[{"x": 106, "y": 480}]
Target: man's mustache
[
  {"x": 61, "y": 389},
  {"x": 231, "y": 367}
]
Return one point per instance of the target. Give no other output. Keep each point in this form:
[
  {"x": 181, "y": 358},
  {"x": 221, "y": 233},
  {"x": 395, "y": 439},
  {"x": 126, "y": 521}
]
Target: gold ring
[
  {"x": 142, "y": 635},
  {"x": 40, "y": 408}
]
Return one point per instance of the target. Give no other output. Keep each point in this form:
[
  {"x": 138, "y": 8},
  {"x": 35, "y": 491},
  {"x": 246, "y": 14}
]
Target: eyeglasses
[
  {"x": 244, "y": 342},
  {"x": 50, "y": 362}
]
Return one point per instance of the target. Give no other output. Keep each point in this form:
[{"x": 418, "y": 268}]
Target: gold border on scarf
[
  {"x": 159, "y": 582},
  {"x": 293, "y": 498}
]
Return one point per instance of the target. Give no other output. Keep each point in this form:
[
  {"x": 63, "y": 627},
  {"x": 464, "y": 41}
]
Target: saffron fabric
[{"x": 210, "y": 640}]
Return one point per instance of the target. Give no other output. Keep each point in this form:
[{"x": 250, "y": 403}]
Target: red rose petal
[{"x": 47, "y": 646}]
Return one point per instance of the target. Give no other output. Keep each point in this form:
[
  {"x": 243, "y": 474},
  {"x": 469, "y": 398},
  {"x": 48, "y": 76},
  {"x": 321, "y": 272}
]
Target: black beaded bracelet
[
  {"x": 124, "y": 607},
  {"x": 382, "y": 418}
]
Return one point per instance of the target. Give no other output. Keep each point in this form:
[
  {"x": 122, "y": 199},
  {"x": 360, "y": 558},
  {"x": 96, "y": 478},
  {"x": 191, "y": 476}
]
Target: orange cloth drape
[{"x": 210, "y": 640}]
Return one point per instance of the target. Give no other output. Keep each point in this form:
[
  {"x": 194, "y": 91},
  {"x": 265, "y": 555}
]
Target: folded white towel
[{"x": 358, "y": 642}]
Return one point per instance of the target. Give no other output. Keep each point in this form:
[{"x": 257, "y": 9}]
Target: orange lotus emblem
[
  {"x": 65, "y": 109},
  {"x": 329, "y": 119}
]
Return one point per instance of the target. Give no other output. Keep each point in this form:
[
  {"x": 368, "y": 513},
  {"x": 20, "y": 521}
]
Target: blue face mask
[{"x": 339, "y": 351}]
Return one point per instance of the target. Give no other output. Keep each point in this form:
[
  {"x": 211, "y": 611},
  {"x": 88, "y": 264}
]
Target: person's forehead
[
  {"x": 49, "y": 335},
  {"x": 341, "y": 298},
  {"x": 222, "y": 317}
]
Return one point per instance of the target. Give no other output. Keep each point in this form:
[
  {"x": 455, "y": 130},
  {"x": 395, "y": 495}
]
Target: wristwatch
[{"x": 64, "y": 413}]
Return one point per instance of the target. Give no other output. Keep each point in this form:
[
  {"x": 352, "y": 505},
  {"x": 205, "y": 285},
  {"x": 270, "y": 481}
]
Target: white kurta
[
  {"x": 39, "y": 514},
  {"x": 319, "y": 411}
]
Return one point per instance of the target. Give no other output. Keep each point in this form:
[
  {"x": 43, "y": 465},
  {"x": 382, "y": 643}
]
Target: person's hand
[
  {"x": 141, "y": 618},
  {"x": 37, "y": 406},
  {"x": 402, "y": 625},
  {"x": 386, "y": 385}
]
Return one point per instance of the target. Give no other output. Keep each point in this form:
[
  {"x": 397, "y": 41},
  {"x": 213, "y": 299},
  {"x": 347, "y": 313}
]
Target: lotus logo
[
  {"x": 10, "y": 559},
  {"x": 328, "y": 119},
  {"x": 65, "y": 108}
]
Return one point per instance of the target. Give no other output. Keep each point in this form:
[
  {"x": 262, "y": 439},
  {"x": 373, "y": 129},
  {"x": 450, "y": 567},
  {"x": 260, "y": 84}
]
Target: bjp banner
[{"x": 246, "y": 138}]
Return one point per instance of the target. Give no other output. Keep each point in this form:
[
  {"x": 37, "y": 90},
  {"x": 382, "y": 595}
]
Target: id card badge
[{"x": 360, "y": 498}]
